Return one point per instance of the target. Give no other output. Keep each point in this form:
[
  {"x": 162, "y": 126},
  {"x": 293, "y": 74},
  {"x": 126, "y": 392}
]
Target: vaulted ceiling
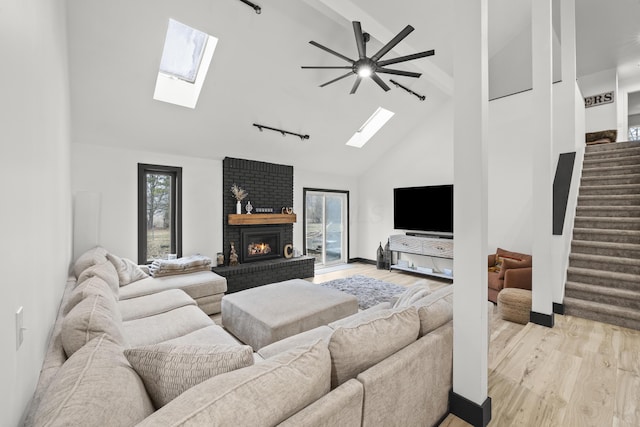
[{"x": 255, "y": 76}]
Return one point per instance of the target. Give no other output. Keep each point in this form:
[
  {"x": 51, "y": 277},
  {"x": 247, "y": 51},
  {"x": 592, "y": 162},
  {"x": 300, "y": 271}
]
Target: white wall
[
  {"x": 510, "y": 174},
  {"x": 112, "y": 174},
  {"x": 425, "y": 157},
  {"x": 601, "y": 117},
  {"x": 36, "y": 202}
]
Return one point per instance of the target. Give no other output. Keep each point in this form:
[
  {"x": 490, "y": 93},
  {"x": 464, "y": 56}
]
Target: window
[
  {"x": 159, "y": 212},
  {"x": 184, "y": 64}
]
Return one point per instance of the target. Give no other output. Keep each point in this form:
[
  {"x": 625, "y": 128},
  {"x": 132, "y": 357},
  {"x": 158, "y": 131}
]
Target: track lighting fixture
[
  {"x": 283, "y": 132},
  {"x": 420, "y": 97},
  {"x": 255, "y": 7}
]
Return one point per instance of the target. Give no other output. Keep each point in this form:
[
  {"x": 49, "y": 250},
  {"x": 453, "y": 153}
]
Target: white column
[
  {"x": 565, "y": 102},
  {"x": 470, "y": 321},
  {"x": 542, "y": 128}
]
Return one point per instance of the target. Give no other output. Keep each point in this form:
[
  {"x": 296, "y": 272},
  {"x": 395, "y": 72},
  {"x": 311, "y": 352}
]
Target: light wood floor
[{"x": 578, "y": 373}]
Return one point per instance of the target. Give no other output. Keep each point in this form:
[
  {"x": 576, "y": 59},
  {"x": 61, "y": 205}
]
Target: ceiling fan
[{"x": 365, "y": 66}]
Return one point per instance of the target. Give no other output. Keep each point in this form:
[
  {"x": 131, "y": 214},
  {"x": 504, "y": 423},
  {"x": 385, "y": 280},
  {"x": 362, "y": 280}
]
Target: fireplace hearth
[{"x": 260, "y": 243}]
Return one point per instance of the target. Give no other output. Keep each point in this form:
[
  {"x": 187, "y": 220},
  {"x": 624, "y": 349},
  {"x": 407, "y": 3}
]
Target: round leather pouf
[{"x": 514, "y": 305}]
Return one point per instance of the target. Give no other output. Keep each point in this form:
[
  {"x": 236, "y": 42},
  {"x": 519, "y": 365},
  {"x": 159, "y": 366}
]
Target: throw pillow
[
  {"x": 508, "y": 264},
  {"x": 94, "y": 387},
  {"x": 167, "y": 370},
  {"x": 128, "y": 271}
]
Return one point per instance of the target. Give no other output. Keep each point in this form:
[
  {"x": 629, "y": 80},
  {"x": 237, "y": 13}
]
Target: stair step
[
  {"x": 622, "y": 145},
  {"x": 607, "y": 235},
  {"x": 626, "y": 298},
  {"x": 620, "y": 250},
  {"x": 610, "y": 200},
  {"x": 612, "y": 315},
  {"x": 604, "y": 278},
  {"x": 615, "y": 211},
  {"x": 612, "y": 154},
  {"x": 621, "y": 189},
  {"x": 611, "y": 179},
  {"x": 603, "y": 171},
  {"x": 607, "y": 223},
  {"x": 611, "y": 161},
  {"x": 605, "y": 263}
]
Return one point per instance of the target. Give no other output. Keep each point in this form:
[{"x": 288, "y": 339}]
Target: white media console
[{"x": 421, "y": 245}]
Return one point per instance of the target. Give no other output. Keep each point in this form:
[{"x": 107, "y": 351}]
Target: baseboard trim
[
  {"x": 541, "y": 319},
  {"x": 362, "y": 260},
  {"x": 471, "y": 412},
  {"x": 558, "y": 308}
]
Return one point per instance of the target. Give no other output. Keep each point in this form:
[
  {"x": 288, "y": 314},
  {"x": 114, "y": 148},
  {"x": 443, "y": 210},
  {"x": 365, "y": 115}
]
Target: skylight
[
  {"x": 184, "y": 64},
  {"x": 182, "y": 53},
  {"x": 370, "y": 127}
]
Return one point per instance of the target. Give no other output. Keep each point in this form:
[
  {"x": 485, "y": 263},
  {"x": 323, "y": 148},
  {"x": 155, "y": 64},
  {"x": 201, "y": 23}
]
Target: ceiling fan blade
[
  {"x": 333, "y": 52},
  {"x": 355, "y": 85},
  {"x": 346, "y": 67},
  {"x": 335, "y": 80},
  {"x": 362, "y": 48},
  {"x": 394, "y": 41},
  {"x": 398, "y": 72},
  {"x": 406, "y": 58},
  {"x": 380, "y": 82}
]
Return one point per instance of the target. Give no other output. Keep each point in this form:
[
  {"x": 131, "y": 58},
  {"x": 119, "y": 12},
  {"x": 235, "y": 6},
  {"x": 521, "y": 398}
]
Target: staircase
[{"x": 603, "y": 278}]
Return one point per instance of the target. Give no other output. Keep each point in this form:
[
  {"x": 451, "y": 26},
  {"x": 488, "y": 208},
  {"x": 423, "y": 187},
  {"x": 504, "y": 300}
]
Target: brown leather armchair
[{"x": 508, "y": 270}]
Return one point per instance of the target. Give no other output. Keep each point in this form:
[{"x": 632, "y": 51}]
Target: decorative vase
[
  {"x": 238, "y": 207},
  {"x": 249, "y": 207}
]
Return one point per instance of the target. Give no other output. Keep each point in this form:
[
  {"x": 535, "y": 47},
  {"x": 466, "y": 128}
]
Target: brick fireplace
[{"x": 260, "y": 246}]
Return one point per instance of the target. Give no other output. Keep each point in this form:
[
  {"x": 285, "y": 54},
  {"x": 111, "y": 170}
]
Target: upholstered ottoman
[
  {"x": 266, "y": 314},
  {"x": 514, "y": 305}
]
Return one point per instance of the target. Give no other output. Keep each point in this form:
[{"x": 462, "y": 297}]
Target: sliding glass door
[{"x": 326, "y": 219}]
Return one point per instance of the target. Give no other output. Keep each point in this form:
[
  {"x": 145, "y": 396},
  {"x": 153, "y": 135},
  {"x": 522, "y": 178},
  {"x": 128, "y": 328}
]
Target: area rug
[{"x": 367, "y": 290}]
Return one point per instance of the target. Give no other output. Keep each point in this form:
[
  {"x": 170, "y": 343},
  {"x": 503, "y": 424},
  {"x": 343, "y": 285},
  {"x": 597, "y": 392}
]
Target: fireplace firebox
[{"x": 260, "y": 243}]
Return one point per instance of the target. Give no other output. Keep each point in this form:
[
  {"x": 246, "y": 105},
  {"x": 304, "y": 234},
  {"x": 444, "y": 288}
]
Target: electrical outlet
[{"x": 19, "y": 327}]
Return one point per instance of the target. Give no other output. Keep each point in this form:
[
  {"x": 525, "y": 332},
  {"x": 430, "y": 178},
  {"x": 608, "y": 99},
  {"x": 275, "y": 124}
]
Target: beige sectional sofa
[{"x": 159, "y": 360}]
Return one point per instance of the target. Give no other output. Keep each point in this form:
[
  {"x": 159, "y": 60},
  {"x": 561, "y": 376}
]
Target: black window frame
[{"x": 176, "y": 208}]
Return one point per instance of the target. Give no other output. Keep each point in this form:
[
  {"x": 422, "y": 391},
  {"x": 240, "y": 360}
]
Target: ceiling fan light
[{"x": 364, "y": 71}]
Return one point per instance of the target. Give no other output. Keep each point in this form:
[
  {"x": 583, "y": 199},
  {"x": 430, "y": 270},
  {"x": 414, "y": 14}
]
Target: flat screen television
[{"x": 427, "y": 209}]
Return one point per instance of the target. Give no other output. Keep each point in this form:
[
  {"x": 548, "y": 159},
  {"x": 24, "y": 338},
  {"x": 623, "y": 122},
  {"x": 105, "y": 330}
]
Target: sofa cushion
[
  {"x": 95, "y": 387},
  {"x": 366, "y": 340},
  {"x": 150, "y": 305},
  {"x": 93, "y": 256},
  {"x": 128, "y": 271},
  {"x": 164, "y": 326},
  {"x": 209, "y": 335},
  {"x": 303, "y": 338},
  {"x": 90, "y": 318},
  {"x": 263, "y": 394},
  {"x": 167, "y": 370},
  {"x": 435, "y": 309},
  {"x": 106, "y": 271},
  {"x": 92, "y": 286},
  {"x": 419, "y": 289},
  {"x": 196, "y": 285}
]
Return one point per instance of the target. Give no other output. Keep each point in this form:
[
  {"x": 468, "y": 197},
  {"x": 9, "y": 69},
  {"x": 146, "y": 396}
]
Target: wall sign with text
[{"x": 600, "y": 99}]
